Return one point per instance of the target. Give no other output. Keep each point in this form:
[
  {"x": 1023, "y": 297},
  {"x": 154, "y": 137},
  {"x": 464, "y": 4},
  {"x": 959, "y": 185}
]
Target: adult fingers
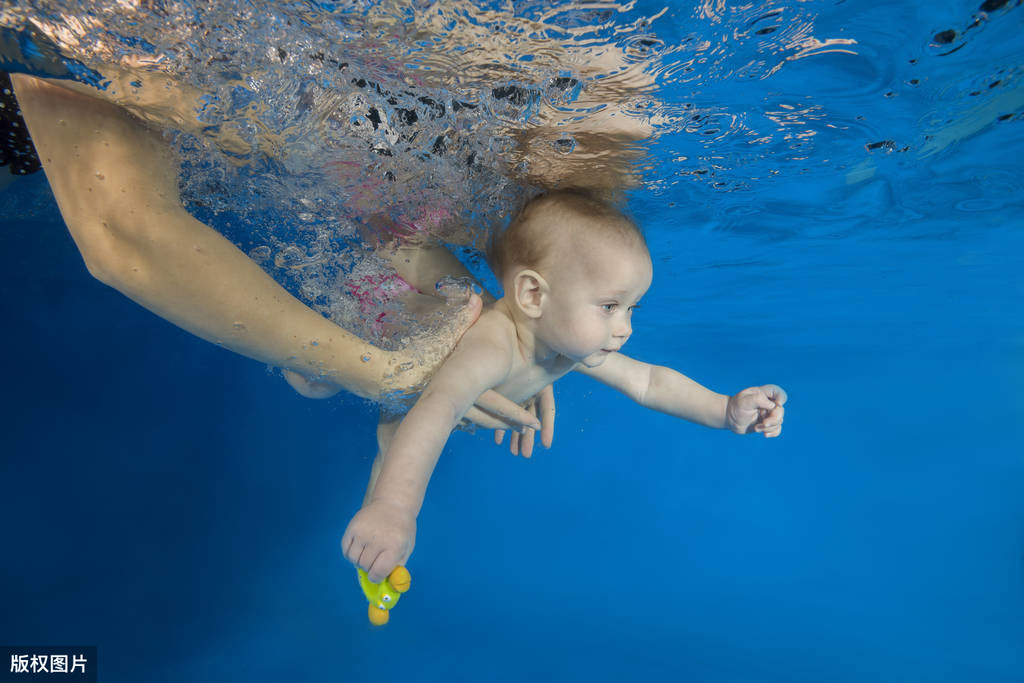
[
  {"x": 456, "y": 289},
  {"x": 527, "y": 435},
  {"x": 546, "y": 408},
  {"x": 435, "y": 351},
  {"x": 526, "y": 443},
  {"x": 484, "y": 420},
  {"x": 468, "y": 314},
  {"x": 499, "y": 436},
  {"x": 499, "y": 406}
]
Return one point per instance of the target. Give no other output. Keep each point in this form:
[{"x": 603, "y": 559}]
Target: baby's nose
[{"x": 623, "y": 329}]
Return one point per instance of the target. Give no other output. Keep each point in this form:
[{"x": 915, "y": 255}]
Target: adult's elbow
[
  {"x": 101, "y": 269},
  {"x": 105, "y": 251}
]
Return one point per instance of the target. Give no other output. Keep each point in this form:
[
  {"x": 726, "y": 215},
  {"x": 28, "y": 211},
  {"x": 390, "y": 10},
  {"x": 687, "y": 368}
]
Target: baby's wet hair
[{"x": 533, "y": 236}]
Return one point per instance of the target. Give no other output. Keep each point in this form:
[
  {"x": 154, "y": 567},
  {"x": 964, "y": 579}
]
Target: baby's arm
[
  {"x": 757, "y": 409},
  {"x": 382, "y": 534}
]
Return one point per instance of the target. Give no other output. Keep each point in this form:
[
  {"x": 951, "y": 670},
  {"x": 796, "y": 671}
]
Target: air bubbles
[
  {"x": 295, "y": 257},
  {"x": 978, "y": 204},
  {"x": 642, "y": 48},
  {"x": 564, "y": 145},
  {"x": 290, "y": 257},
  {"x": 260, "y": 254}
]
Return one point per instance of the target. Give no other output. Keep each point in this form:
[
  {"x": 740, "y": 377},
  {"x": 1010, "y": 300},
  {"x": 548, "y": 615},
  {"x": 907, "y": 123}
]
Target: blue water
[{"x": 181, "y": 508}]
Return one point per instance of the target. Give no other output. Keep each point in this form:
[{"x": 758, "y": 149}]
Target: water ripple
[{"x": 378, "y": 107}]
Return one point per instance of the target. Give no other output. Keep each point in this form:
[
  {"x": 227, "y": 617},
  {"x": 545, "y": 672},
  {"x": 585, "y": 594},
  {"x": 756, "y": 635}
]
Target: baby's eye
[{"x": 608, "y": 308}]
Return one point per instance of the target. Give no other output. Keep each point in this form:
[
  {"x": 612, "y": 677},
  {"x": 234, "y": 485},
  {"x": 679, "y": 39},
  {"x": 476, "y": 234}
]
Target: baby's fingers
[
  {"x": 352, "y": 547},
  {"x": 759, "y": 398},
  {"x": 382, "y": 565},
  {"x": 772, "y": 423},
  {"x": 775, "y": 393}
]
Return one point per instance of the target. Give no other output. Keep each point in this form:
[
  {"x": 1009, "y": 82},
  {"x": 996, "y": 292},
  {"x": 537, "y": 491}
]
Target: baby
[{"x": 573, "y": 270}]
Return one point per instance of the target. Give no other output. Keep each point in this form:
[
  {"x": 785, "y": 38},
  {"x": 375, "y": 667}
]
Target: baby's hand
[
  {"x": 757, "y": 409},
  {"x": 379, "y": 538}
]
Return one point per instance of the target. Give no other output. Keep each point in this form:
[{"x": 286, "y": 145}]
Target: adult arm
[
  {"x": 115, "y": 182},
  {"x": 116, "y": 185}
]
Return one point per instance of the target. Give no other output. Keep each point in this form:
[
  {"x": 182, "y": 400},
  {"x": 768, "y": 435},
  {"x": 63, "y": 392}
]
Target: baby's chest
[{"x": 524, "y": 382}]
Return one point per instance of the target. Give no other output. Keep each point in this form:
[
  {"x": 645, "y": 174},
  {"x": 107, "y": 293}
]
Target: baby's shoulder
[{"x": 493, "y": 328}]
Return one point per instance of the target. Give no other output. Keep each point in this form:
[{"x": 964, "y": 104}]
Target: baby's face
[{"x": 593, "y": 293}]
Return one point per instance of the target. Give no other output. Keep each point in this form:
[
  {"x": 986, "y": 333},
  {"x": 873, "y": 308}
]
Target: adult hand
[
  {"x": 541, "y": 406},
  {"x": 492, "y": 410}
]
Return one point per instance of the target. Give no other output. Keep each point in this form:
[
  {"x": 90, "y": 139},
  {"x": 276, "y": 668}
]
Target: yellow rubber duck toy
[{"x": 384, "y": 595}]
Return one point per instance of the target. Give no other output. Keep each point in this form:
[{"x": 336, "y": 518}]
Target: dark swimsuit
[{"x": 16, "y": 148}]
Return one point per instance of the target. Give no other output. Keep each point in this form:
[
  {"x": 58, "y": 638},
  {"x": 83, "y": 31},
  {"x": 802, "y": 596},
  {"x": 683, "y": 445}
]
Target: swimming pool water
[{"x": 181, "y": 508}]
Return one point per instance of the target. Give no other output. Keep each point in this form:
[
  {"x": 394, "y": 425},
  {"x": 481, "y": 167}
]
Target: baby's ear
[{"x": 530, "y": 290}]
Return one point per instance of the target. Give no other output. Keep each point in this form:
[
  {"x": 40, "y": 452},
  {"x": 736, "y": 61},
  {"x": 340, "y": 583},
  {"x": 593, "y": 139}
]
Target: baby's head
[
  {"x": 549, "y": 227},
  {"x": 575, "y": 267}
]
